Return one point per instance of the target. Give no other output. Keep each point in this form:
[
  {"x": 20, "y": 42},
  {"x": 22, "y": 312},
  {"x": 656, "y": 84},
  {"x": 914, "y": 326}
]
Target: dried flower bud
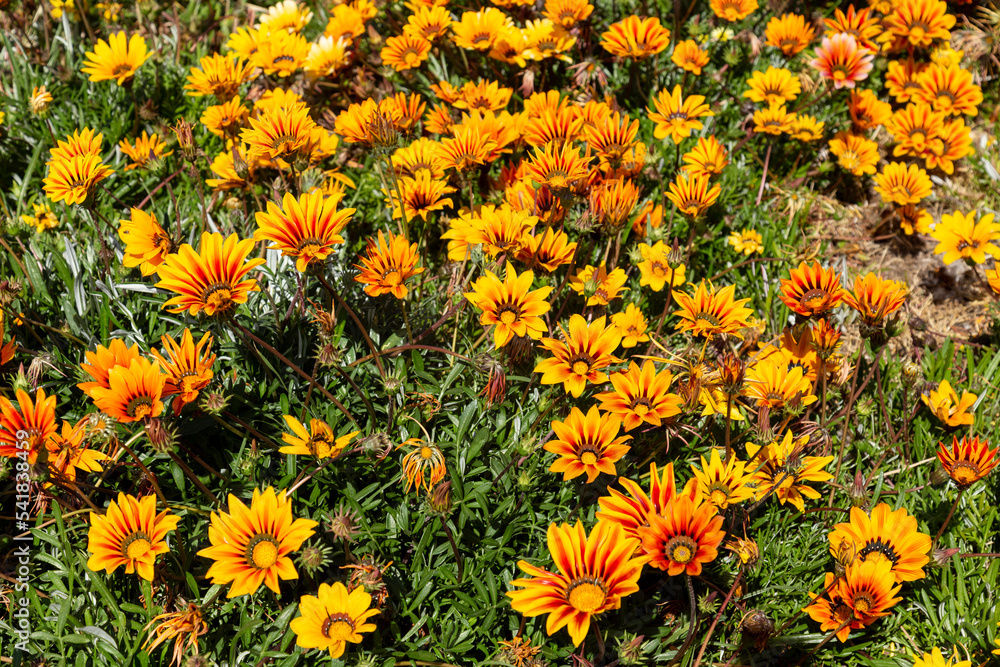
[
  {"x": 758, "y": 627},
  {"x": 939, "y": 476},
  {"x": 214, "y": 402},
  {"x": 185, "y": 139},
  {"x": 911, "y": 372},
  {"x": 941, "y": 557},
  {"x": 9, "y": 290},
  {"x": 343, "y": 524},
  {"x": 440, "y": 498},
  {"x": 630, "y": 649},
  {"x": 858, "y": 492},
  {"x": 747, "y": 550},
  {"x": 160, "y": 436}
]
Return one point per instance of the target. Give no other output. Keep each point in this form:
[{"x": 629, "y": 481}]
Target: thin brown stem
[
  {"x": 454, "y": 550},
  {"x": 357, "y": 322},
  {"x": 682, "y": 651},
  {"x": 947, "y": 519},
  {"x": 763, "y": 177},
  {"x": 715, "y": 621}
]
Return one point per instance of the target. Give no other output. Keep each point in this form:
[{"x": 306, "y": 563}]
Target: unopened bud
[
  {"x": 858, "y": 491},
  {"x": 941, "y": 557},
  {"x": 440, "y": 498}
]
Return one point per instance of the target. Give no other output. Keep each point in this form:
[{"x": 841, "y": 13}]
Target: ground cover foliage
[{"x": 516, "y": 334}]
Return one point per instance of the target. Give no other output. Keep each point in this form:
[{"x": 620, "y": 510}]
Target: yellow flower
[
  {"x": 947, "y": 407},
  {"x": 116, "y": 59},
  {"x": 319, "y": 441},
  {"x": 960, "y": 237},
  {"x": 42, "y": 220},
  {"x": 747, "y": 241}
]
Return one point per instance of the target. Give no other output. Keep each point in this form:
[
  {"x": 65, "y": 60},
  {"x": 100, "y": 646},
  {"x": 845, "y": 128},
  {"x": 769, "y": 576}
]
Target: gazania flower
[
  {"x": 214, "y": 279},
  {"x": 855, "y": 153},
  {"x": 956, "y": 143},
  {"x": 689, "y": 56},
  {"x": 39, "y": 101},
  {"x": 903, "y": 79},
  {"x": 281, "y": 132},
  {"x": 641, "y": 396},
  {"x": 856, "y": 601},
  {"x": 558, "y": 168},
  {"x": 936, "y": 659},
  {"x": 68, "y": 453},
  {"x": 860, "y": 25},
  {"x": 183, "y": 627},
  {"x": 421, "y": 155},
  {"x": 842, "y": 61},
  {"x": 707, "y": 158},
  {"x": 722, "y": 484},
  {"x": 327, "y": 56},
  {"x": 811, "y": 290},
  {"x": 949, "y": 90},
  {"x": 286, "y": 15},
  {"x": 388, "y": 263},
  {"x": 345, "y": 23},
  {"x": 959, "y": 236},
  {"x": 656, "y": 271},
  {"x": 36, "y": 418},
  {"x": 544, "y": 39},
  {"x": 597, "y": 285},
  {"x": 746, "y": 241},
  {"x": 635, "y": 37},
  {"x": 306, "y": 228},
  {"x": 465, "y": 150},
  {"x": 484, "y": 95},
  {"x": 146, "y": 243},
  {"x": 675, "y": 116},
  {"x": 146, "y": 149},
  {"x": 683, "y": 538},
  {"x": 587, "y": 444},
  {"x": 251, "y": 545},
  {"x": 369, "y": 124},
  {"x": 916, "y": 130},
  {"x": 772, "y": 383},
  {"x": 775, "y": 86},
  {"x": 920, "y": 22},
  {"x": 632, "y": 325},
  {"x": 774, "y": 120},
  {"x": 500, "y": 229},
  {"x": 884, "y": 536},
  {"x": 875, "y": 298},
  {"x": 692, "y": 195},
  {"x": 73, "y": 180},
  {"x": 405, "y": 52},
  {"x": 424, "y": 459},
  {"x": 220, "y": 76},
  {"x": 577, "y": 360},
  {"x": 710, "y": 312},
  {"x": 867, "y": 110},
  {"x": 116, "y": 59},
  {"x": 632, "y": 511},
  {"x": 790, "y": 33},
  {"x": 280, "y": 53},
  {"x": 421, "y": 196},
  {"x": 188, "y": 367},
  {"x": 479, "y": 30},
  {"x": 595, "y": 573},
  {"x": 733, "y": 10},
  {"x": 902, "y": 184},
  {"x": 806, "y": 128},
  {"x": 967, "y": 460},
  {"x": 227, "y": 119},
  {"x": 319, "y": 441},
  {"x": 947, "y": 407},
  {"x": 558, "y": 127},
  {"x": 81, "y": 142},
  {"x": 130, "y": 533},
  {"x": 773, "y": 470},
  {"x": 333, "y": 618},
  {"x": 101, "y": 361},
  {"x": 42, "y": 220},
  {"x": 429, "y": 23},
  {"x": 510, "y": 306},
  {"x": 914, "y": 219},
  {"x": 567, "y": 13},
  {"x": 133, "y": 393},
  {"x": 548, "y": 250}
]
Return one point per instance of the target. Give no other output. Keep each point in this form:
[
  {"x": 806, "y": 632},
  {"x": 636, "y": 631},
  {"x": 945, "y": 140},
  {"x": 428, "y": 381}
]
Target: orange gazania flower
[
  {"x": 36, "y": 418},
  {"x": 587, "y": 444},
  {"x": 500, "y": 229},
  {"x": 333, "y": 618},
  {"x": 949, "y": 90},
  {"x": 219, "y": 75},
  {"x": 484, "y": 95},
  {"x": 632, "y": 512},
  {"x": 902, "y": 184},
  {"x": 101, "y": 361},
  {"x": 81, "y": 142},
  {"x": 632, "y": 325},
  {"x": 710, "y": 312},
  {"x": 875, "y": 298},
  {"x": 146, "y": 149},
  {"x": 692, "y": 195},
  {"x": 405, "y": 52},
  {"x": 676, "y": 116},
  {"x": 369, "y": 123},
  {"x": 188, "y": 367},
  {"x": 429, "y": 23},
  {"x": 611, "y": 137},
  {"x": 884, "y": 536},
  {"x": 68, "y": 453},
  {"x": 280, "y": 132},
  {"x": 920, "y": 22},
  {"x": 133, "y": 393},
  {"x": 479, "y": 30},
  {"x": 146, "y": 242},
  {"x": 811, "y": 290},
  {"x": 510, "y": 306},
  {"x": 226, "y": 119},
  {"x": 280, "y": 53},
  {"x": 722, "y": 484},
  {"x": 421, "y": 196},
  {"x": 855, "y": 601},
  {"x": 855, "y": 153},
  {"x": 327, "y": 56},
  {"x": 635, "y": 37},
  {"x": 902, "y": 79},
  {"x": 319, "y": 441},
  {"x": 558, "y": 127},
  {"x": 595, "y": 573},
  {"x": 558, "y": 168},
  {"x": 774, "y": 120},
  {"x": 130, "y": 533},
  {"x": 858, "y": 24},
  {"x": 425, "y": 458},
  {"x": 956, "y": 143},
  {"x": 388, "y": 263},
  {"x": 946, "y": 405},
  {"x": 916, "y": 130},
  {"x": 967, "y": 460},
  {"x": 914, "y": 219},
  {"x": 468, "y": 148},
  {"x": 73, "y": 180},
  {"x": 842, "y": 61},
  {"x": 252, "y": 545},
  {"x": 117, "y": 59},
  {"x": 773, "y": 470},
  {"x": 707, "y": 158},
  {"x": 577, "y": 360},
  {"x": 790, "y": 33},
  {"x": 306, "y": 228},
  {"x": 776, "y": 86},
  {"x": 548, "y": 250},
  {"x": 683, "y": 538},
  {"x": 689, "y": 56},
  {"x": 567, "y": 13},
  {"x": 641, "y": 396},
  {"x": 733, "y": 10},
  {"x": 612, "y": 202},
  {"x": 772, "y": 383},
  {"x": 867, "y": 110},
  {"x": 214, "y": 279}
]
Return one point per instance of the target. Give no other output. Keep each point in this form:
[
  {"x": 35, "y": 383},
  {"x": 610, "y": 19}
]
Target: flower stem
[
  {"x": 682, "y": 651},
  {"x": 718, "y": 615},
  {"x": 947, "y": 519},
  {"x": 454, "y": 549},
  {"x": 357, "y": 322}
]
